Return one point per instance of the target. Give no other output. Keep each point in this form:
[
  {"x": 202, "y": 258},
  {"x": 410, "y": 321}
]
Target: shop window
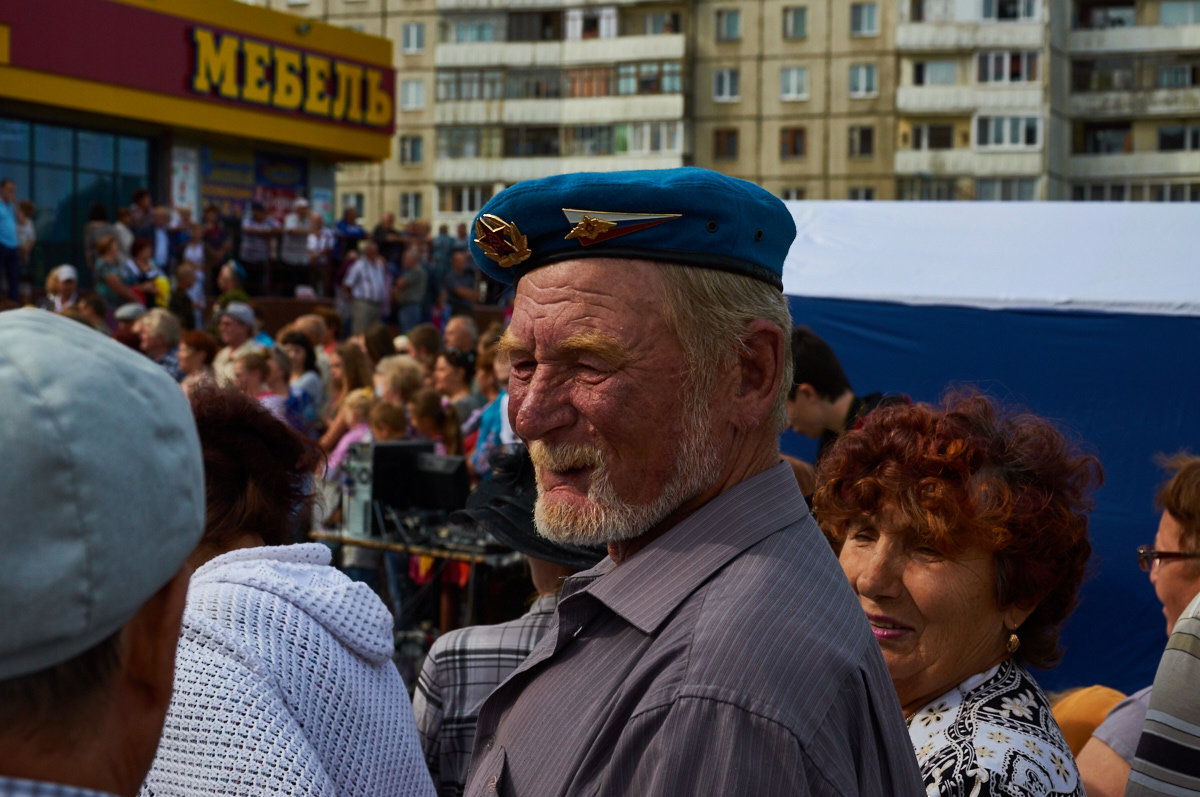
[
  {"x": 793, "y": 83},
  {"x": 791, "y": 143},
  {"x": 863, "y": 80},
  {"x": 729, "y": 25},
  {"x": 795, "y": 22},
  {"x": 864, "y": 19},
  {"x": 725, "y": 85},
  {"x": 725, "y": 143},
  {"x": 862, "y": 141}
]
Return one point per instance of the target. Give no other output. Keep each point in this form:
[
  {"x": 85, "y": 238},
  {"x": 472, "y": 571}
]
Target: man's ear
[
  {"x": 759, "y": 373},
  {"x": 807, "y": 391}
]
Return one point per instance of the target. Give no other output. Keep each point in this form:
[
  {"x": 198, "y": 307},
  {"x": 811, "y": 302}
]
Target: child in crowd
[
  {"x": 355, "y": 412},
  {"x": 434, "y": 418},
  {"x": 388, "y": 422}
]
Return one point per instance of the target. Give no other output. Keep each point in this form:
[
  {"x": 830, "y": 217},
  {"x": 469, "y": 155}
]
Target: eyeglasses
[{"x": 1147, "y": 556}]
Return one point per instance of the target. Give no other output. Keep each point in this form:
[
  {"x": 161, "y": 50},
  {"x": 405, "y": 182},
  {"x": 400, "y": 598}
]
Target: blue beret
[{"x": 689, "y": 216}]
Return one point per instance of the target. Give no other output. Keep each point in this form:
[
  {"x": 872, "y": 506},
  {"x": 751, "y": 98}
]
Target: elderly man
[
  {"x": 1168, "y": 754},
  {"x": 160, "y": 331},
  {"x": 236, "y": 327},
  {"x": 718, "y": 648},
  {"x": 461, "y": 333},
  {"x": 94, "y": 555}
]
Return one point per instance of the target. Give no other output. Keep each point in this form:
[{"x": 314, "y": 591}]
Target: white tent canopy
[{"x": 1130, "y": 257}]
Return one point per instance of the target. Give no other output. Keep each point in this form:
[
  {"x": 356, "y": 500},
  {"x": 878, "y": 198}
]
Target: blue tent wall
[{"x": 1125, "y": 385}]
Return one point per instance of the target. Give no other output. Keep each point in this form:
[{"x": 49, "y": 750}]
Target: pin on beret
[{"x": 688, "y": 216}]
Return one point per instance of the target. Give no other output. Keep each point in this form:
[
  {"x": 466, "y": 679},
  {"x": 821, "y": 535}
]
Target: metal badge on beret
[
  {"x": 501, "y": 241},
  {"x": 594, "y": 226}
]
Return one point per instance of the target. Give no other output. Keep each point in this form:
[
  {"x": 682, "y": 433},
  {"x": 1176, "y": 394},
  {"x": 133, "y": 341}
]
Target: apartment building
[{"x": 819, "y": 99}]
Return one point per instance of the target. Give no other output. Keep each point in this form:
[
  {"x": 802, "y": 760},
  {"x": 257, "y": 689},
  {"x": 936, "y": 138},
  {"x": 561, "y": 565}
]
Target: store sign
[{"x": 257, "y": 73}]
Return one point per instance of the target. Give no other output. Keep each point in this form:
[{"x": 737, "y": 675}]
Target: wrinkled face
[
  {"x": 595, "y": 387},
  {"x": 935, "y": 618},
  {"x": 233, "y": 332},
  {"x": 1176, "y": 581}
]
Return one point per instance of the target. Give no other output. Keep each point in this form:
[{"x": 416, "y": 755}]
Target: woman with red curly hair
[{"x": 963, "y": 530}]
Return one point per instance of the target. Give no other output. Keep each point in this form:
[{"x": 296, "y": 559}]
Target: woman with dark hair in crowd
[
  {"x": 284, "y": 682},
  {"x": 197, "y": 350},
  {"x": 377, "y": 340},
  {"x": 303, "y": 375},
  {"x": 452, "y": 378},
  {"x": 964, "y": 532}
]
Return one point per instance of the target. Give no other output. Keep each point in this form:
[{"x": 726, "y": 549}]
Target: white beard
[{"x": 606, "y": 517}]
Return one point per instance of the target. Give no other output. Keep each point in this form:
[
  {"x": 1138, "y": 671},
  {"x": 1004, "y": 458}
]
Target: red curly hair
[{"x": 971, "y": 474}]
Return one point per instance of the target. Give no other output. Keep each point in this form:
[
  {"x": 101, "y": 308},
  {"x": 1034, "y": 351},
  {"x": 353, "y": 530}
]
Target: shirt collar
[{"x": 650, "y": 585}]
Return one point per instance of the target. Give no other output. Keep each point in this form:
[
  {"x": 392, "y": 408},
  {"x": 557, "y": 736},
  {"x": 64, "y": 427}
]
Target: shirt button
[{"x": 490, "y": 743}]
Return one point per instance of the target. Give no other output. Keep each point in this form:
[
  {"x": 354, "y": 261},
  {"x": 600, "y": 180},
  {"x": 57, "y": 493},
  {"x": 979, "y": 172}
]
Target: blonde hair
[{"x": 359, "y": 403}]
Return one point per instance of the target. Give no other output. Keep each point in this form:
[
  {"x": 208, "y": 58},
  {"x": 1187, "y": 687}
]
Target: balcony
[
  {"x": 511, "y": 170},
  {"x": 1142, "y": 102},
  {"x": 1133, "y": 164},
  {"x": 568, "y": 111},
  {"x": 966, "y": 99},
  {"x": 971, "y": 162},
  {"x": 664, "y": 47},
  {"x": 957, "y": 36},
  {"x": 1140, "y": 39}
]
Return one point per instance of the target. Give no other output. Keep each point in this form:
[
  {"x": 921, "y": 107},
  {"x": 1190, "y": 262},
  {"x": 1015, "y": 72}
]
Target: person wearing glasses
[
  {"x": 1168, "y": 753},
  {"x": 1173, "y": 563}
]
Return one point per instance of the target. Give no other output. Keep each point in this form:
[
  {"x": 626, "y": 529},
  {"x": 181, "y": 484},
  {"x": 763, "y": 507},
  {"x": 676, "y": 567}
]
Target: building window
[
  {"x": 933, "y": 137},
  {"x": 534, "y": 26},
  {"x": 463, "y": 198},
  {"x": 729, "y": 25},
  {"x": 1176, "y": 76},
  {"x": 412, "y": 95},
  {"x": 1178, "y": 138},
  {"x": 935, "y": 73},
  {"x": 1102, "y": 74},
  {"x": 639, "y": 138},
  {"x": 1017, "y": 189},
  {"x": 412, "y": 37},
  {"x": 1172, "y": 12},
  {"x": 1010, "y": 10},
  {"x": 725, "y": 85},
  {"x": 1007, "y": 67},
  {"x": 531, "y": 142},
  {"x": 793, "y": 83},
  {"x": 353, "y": 200},
  {"x": 1174, "y": 192},
  {"x": 661, "y": 22},
  {"x": 672, "y": 78},
  {"x": 1100, "y": 192},
  {"x": 411, "y": 149},
  {"x": 795, "y": 22},
  {"x": 793, "y": 193},
  {"x": 862, "y": 141},
  {"x": 725, "y": 143},
  {"x": 469, "y": 142},
  {"x": 1103, "y": 138},
  {"x": 791, "y": 142},
  {"x": 926, "y": 189},
  {"x": 588, "y": 140},
  {"x": 478, "y": 29},
  {"x": 860, "y": 193},
  {"x": 410, "y": 205},
  {"x": 864, "y": 19},
  {"x": 592, "y": 23},
  {"x": 863, "y": 80},
  {"x": 1008, "y": 132}
]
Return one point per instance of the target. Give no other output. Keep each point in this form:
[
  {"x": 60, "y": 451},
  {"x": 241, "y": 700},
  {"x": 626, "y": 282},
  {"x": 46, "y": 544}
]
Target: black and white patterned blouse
[{"x": 993, "y": 734}]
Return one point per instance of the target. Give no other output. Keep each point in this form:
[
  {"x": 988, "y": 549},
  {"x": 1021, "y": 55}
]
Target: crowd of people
[{"x": 696, "y": 627}]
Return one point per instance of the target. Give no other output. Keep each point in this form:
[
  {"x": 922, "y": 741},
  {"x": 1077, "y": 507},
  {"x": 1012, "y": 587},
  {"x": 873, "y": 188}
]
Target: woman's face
[
  {"x": 225, "y": 281},
  {"x": 336, "y": 372},
  {"x": 935, "y": 617},
  {"x": 190, "y": 360},
  {"x": 446, "y": 378},
  {"x": 295, "y": 353}
]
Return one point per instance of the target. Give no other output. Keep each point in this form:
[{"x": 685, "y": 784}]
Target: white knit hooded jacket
[{"x": 284, "y": 685}]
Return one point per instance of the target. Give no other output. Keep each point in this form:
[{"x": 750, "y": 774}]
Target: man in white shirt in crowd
[{"x": 367, "y": 284}]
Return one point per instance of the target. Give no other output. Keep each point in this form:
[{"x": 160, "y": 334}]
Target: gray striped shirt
[{"x": 729, "y": 656}]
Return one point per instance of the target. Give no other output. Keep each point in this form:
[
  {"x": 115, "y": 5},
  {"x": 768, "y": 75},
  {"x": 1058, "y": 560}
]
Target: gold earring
[{"x": 1014, "y": 642}]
